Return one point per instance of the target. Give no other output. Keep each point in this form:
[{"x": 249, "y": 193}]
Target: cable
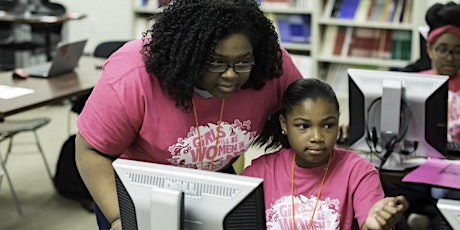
[
  {"x": 389, "y": 147},
  {"x": 372, "y": 139}
]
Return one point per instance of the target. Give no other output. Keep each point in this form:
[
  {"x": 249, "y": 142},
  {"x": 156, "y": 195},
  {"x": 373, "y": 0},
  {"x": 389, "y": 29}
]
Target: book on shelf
[
  {"x": 293, "y": 28},
  {"x": 376, "y": 12},
  {"x": 407, "y": 13},
  {"x": 385, "y": 10},
  {"x": 330, "y": 37},
  {"x": 364, "y": 43},
  {"x": 401, "y": 45},
  {"x": 397, "y": 17},
  {"x": 346, "y": 41},
  {"x": 348, "y": 9},
  {"x": 277, "y": 3},
  {"x": 384, "y": 50},
  {"x": 362, "y": 10},
  {"x": 339, "y": 40}
]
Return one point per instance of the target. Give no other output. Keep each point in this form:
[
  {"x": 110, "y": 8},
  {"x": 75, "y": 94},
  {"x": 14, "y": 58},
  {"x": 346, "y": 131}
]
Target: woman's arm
[
  {"x": 97, "y": 172},
  {"x": 386, "y": 213}
]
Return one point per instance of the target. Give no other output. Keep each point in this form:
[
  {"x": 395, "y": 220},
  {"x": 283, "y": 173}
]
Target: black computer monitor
[
  {"x": 407, "y": 111},
  {"x": 155, "y": 196}
]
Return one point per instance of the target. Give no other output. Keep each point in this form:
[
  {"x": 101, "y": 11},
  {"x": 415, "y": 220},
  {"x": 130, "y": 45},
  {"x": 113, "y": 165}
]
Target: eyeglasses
[
  {"x": 220, "y": 67},
  {"x": 443, "y": 52}
]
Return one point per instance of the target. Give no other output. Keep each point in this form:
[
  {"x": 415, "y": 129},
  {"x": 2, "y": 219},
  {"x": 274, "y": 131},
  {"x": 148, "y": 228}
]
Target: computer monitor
[
  {"x": 156, "y": 196},
  {"x": 450, "y": 213},
  {"x": 397, "y": 113}
]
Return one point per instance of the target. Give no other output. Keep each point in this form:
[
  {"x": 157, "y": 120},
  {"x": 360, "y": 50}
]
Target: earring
[{"x": 283, "y": 132}]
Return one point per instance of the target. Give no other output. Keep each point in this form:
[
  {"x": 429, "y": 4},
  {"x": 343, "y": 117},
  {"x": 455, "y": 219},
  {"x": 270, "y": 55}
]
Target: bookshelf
[
  {"x": 323, "y": 17},
  {"x": 374, "y": 34},
  {"x": 293, "y": 22}
]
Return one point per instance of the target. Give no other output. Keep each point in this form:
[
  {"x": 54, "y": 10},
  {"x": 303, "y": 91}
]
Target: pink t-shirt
[
  {"x": 453, "y": 122},
  {"x": 351, "y": 188},
  {"x": 129, "y": 113}
]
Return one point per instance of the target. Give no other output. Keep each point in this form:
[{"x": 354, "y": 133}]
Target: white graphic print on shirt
[
  {"x": 234, "y": 139},
  {"x": 279, "y": 215}
]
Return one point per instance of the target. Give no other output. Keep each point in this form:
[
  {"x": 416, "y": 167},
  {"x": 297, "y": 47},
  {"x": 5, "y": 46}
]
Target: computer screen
[
  {"x": 450, "y": 211},
  {"x": 156, "y": 196},
  {"x": 405, "y": 113}
]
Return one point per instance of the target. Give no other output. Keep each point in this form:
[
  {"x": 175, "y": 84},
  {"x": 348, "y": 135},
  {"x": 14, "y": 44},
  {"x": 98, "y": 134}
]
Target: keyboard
[{"x": 453, "y": 147}]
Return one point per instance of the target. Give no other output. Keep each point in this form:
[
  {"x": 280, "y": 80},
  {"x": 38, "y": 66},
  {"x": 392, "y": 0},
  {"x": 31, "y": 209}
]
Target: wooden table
[{"x": 50, "y": 90}]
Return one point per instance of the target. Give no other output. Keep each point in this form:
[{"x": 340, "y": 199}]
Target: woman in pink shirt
[{"x": 194, "y": 92}]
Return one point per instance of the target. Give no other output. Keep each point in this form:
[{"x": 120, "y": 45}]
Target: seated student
[
  {"x": 443, "y": 48},
  {"x": 309, "y": 183}
]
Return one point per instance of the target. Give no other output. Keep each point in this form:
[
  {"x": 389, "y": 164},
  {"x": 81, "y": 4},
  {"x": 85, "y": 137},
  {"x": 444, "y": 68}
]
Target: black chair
[{"x": 105, "y": 49}]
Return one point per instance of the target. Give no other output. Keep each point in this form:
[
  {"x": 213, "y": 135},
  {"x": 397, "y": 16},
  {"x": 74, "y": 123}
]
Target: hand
[
  {"x": 116, "y": 225},
  {"x": 386, "y": 213},
  {"x": 343, "y": 134}
]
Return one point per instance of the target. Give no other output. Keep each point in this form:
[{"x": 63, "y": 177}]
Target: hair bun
[{"x": 440, "y": 15}]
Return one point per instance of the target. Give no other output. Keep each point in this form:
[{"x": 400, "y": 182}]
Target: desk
[
  {"x": 45, "y": 21},
  {"x": 49, "y": 90}
]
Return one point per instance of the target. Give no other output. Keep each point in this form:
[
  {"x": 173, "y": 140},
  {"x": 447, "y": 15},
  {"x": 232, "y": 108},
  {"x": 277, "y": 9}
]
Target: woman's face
[
  {"x": 312, "y": 129},
  {"x": 444, "y": 53},
  {"x": 235, "y": 49}
]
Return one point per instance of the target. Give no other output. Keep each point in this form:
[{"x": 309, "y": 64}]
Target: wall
[{"x": 106, "y": 20}]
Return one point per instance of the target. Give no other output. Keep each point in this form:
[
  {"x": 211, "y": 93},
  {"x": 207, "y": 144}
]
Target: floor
[{"x": 42, "y": 206}]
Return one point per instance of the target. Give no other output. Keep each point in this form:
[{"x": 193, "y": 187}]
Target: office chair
[{"x": 8, "y": 129}]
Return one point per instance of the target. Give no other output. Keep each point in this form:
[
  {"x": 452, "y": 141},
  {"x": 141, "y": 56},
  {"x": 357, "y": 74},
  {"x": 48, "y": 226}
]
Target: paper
[
  {"x": 436, "y": 172},
  {"x": 8, "y": 92}
]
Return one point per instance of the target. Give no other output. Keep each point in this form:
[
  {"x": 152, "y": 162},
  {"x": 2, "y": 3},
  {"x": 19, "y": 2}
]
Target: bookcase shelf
[
  {"x": 320, "y": 62},
  {"x": 359, "y": 61},
  {"x": 400, "y": 47},
  {"x": 375, "y": 25}
]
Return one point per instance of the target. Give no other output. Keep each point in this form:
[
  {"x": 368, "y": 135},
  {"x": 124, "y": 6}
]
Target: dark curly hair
[
  {"x": 186, "y": 32},
  {"x": 440, "y": 15}
]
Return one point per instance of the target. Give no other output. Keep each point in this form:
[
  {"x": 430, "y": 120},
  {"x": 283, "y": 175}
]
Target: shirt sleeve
[
  {"x": 112, "y": 115},
  {"x": 367, "y": 190}
]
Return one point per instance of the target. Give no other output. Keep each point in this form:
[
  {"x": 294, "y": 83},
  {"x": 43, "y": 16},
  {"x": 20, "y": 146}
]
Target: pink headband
[{"x": 441, "y": 30}]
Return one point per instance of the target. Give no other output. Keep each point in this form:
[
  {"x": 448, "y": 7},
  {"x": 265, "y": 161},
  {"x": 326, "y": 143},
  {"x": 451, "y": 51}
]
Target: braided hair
[{"x": 186, "y": 31}]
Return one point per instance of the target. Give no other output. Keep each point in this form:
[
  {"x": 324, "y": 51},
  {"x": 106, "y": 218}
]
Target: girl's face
[
  {"x": 444, "y": 53},
  {"x": 311, "y": 129},
  {"x": 236, "y": 50}
]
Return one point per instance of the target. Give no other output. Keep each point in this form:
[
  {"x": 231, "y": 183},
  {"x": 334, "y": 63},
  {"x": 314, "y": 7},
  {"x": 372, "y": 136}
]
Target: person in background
[
  {"x": 308, "y": 182},
  {"x": 443, "y": 48},
  {"x": 193, "y": 92}
]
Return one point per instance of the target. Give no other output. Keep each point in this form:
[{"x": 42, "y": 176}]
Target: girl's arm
[{"x": 386, "y": 213}]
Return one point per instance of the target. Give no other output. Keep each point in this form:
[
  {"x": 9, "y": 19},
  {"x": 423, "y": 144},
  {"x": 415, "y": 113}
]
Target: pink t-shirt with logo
[
  {"x": 129, "y": 113},
  {"x": 453, "y": 122},
  {"x": 351, "y": 188}
]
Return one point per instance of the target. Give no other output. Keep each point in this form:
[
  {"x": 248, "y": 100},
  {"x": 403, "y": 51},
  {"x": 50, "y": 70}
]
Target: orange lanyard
[
  {"x": 323, "y": 180},
  {"x": 199, "y": 135}
]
